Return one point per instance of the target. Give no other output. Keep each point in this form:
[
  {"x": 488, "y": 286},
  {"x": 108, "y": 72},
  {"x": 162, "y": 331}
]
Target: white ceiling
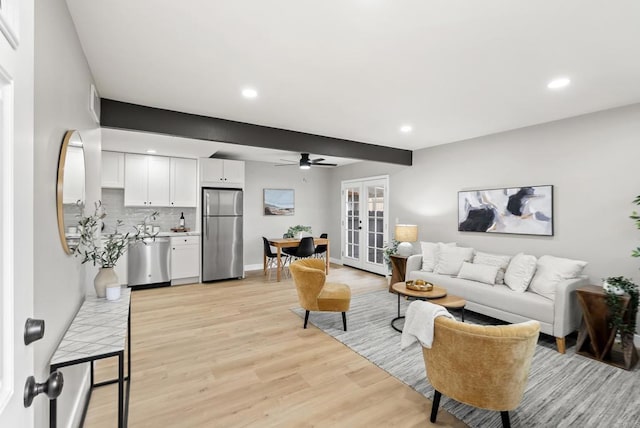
[{"x": 358, "y": 69}]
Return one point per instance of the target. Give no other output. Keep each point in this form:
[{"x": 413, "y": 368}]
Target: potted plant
[
  {"x": 296, "y": 231},
  {"x": 104, "y": 250},
  {"x": 614, "y": 287},
  {"x": 388, "y": 250}
]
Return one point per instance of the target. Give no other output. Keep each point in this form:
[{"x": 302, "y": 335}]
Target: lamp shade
[{"x": 406, "y": 232}]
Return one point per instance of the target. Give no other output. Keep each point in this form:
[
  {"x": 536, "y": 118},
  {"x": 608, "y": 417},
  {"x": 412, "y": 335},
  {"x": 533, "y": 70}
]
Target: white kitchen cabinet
[
  {"x": 222, "y": 172},
  {"x": 184, "y": 182},
  {"x": 113, "y": 170},
  {"x": 146, "y": 180},
  {"x": 185, "y": 259}
]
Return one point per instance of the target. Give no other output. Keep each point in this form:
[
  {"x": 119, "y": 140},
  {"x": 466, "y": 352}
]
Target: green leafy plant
[
  {"x": 635, "y": 216},
  {"x": 617, "y": 320},
  {"x": 293, "y": 231},
  {"x": 388, "y": 250},
  {"x": 104, "y": 250}
]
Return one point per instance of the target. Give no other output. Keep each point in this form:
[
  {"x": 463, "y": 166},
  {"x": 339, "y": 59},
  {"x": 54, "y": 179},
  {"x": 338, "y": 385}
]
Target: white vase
[
  {"x": 106, "y": 277},
  {"x": 614, "y": 289}
]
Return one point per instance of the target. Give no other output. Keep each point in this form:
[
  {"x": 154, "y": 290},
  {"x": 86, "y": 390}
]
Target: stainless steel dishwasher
[{"x": 149, "y": 262}]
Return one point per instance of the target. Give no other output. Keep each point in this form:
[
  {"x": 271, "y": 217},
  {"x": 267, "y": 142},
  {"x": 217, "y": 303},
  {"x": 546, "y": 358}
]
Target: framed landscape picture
[
  {"x": 518, "y": 210},
  {"x": 278, "y": 201}
]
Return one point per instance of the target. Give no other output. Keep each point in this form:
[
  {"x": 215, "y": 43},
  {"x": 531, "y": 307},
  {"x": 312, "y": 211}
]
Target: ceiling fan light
[{"x": 305, "y": 166}]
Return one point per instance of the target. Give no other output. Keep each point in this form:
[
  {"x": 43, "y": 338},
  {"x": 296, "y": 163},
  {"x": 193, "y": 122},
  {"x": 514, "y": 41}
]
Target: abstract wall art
[
  {"x": 518, "y": 210},
  {"x": 279, "y": 202}
]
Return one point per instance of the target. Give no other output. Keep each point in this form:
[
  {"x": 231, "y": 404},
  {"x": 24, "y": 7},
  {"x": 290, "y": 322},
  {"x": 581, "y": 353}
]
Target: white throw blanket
[{"x": 419, "y": 323}]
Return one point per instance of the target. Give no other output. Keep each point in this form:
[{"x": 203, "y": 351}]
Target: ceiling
[{"x": 359, "y": 69}]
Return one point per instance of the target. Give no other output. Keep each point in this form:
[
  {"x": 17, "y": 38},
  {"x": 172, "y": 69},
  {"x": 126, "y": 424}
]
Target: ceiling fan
[{"x": 306, "y": 163}]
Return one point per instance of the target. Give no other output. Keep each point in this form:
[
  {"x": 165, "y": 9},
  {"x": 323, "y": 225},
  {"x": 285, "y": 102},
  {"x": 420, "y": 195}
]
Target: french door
[{"x": 365, "y": 223}]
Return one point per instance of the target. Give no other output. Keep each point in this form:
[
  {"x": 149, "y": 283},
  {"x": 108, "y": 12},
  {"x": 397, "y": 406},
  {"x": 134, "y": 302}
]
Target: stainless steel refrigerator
[{"x": 221, "y": 234}]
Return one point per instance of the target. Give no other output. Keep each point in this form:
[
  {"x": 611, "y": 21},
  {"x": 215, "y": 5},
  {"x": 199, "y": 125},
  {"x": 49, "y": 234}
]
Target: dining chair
[
  {"x": 272, "y": 258},
  {"x": 305, "y": 249},
  {"x": 322, "y": 248}
]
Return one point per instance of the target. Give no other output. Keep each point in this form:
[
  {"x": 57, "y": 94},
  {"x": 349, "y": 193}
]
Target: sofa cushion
[
  {"x": 520, "y": 272},
  {"x": 551, "y": 271},
  {"x": 430, "y": 254},
  {"x": 501, "y": 297},
  {"x": 481, "y": 273},
  {"x": 450, "y": 259},
  {"x": 493, "y": 260}
]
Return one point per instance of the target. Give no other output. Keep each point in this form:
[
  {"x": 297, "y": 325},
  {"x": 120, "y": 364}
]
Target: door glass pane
[
  {"x": 375, "y": 223},
  {"x": 352, "y": 205}
]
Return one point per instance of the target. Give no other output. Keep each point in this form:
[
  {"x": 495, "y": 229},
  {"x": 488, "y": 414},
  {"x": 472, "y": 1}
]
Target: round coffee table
[{"x": 437, "y": 296}]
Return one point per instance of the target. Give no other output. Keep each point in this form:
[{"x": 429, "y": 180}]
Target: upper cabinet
[
  {"x": 113, "y": 170},
  {"x": 221, "y": 172},
  {"x": 184, "y": 182},
  {"x": 146, "y": 180},
  {"x": 159, "y": 181}
]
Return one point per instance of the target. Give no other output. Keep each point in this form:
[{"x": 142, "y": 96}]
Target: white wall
[
  {"x": 311, "y": 198},
  {"x": 62, "y": 81},
  {"x": 591, "y": 160}
]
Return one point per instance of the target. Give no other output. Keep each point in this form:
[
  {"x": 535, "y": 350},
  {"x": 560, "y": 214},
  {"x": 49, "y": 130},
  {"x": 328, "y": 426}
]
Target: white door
[
  {"x": 136, "y": 175},
  {"x": 16, "y": 208},
  {"x": 184, "y": 183},
  {"x": 365, "y": 207},
  {"x": 158, "y": 181}
]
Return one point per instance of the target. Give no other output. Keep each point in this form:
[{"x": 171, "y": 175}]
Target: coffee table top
[{"x": 436, "y": 293}]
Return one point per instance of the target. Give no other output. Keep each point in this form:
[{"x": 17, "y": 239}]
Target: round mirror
[{"x": 70, "y": 189}]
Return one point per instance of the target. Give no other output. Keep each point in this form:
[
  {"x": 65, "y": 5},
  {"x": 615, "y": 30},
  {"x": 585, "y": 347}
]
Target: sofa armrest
[
  {"x": 567, "y": 311},
  {"x": 414, "y": 262}
]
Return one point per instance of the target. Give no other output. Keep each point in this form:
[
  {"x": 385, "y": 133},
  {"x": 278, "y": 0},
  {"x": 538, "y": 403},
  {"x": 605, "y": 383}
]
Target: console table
[
  {"x": 595, "y": 338},
  {"x": 99, "y": 330}
]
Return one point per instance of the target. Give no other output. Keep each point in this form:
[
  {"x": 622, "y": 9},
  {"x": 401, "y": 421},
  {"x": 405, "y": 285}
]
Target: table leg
[
  {"x": 121, "y": 389},
  {"x": 264, "y": 263},
  {"x": 279, "y": 270},
  {"x": 327, "y": 256}
]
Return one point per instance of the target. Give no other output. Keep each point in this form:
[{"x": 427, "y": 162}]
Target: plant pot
[
  {"x": 612, "y": 288},
  {"x": 106, "y": 277}
]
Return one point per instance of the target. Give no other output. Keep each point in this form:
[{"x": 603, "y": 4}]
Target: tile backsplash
[{"x": 113, "y": 201}]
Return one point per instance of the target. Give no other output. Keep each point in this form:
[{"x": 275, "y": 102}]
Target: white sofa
[{"x": 558, "y": 317}]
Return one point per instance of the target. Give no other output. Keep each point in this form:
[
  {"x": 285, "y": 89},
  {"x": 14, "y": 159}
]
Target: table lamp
[{"x": 406, "y": 233}]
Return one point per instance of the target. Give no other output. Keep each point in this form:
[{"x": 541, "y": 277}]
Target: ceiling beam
[{"x": 121, "y": 115}]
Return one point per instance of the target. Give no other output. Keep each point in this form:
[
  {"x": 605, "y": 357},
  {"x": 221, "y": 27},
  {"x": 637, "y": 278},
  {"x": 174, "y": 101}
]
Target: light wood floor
[{"x": 232, "y": 354}]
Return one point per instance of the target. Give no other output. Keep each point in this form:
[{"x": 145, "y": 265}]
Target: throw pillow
[
  {"x": 494, "y": 260},
  {"x": 519, "y": 272},
  {"x": 551, "y": 271},
  {"x": 450, "y": 259},
  {"x": 480, "y": 273},
  {"x": 430, "y": 254}
]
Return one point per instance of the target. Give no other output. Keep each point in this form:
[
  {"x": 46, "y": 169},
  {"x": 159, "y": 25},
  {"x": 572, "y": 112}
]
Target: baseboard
[
  {"x": 335, "y": 261},
  {"x": 75, "y": 418},
  {"x": 253, "y": 267}
]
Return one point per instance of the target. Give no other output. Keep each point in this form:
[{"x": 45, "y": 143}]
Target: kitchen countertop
[{"x": 160, "y": 234}]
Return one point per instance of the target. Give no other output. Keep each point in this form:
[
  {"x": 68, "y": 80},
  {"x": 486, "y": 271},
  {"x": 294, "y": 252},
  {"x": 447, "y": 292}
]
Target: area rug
[{"x": 563, "y": 390}]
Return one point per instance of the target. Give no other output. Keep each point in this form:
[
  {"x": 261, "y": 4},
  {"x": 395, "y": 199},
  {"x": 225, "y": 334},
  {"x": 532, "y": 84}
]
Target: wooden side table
[
  {"x": 595, "y": 338},
  {"x": 398, "y": 269}
]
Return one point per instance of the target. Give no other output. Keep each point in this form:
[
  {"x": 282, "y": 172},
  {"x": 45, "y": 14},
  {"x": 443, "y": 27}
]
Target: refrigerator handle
[
  {"x": 206, "y": 204},
  {"x": 206, "y": 228}
]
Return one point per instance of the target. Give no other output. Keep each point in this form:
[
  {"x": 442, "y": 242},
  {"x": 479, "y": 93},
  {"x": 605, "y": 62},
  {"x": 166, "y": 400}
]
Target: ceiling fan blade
[
  {"x": 317, "y": 160},
  {"x": 288, "y": 160},
  {"x": 324, "y": 164},
  {"x": 286, "y": 164}
]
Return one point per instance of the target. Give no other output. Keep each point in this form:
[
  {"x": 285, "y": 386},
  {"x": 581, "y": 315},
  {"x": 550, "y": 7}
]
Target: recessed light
[
  {"x": 559, "y": 83},
  {"x": 151, "y": 151},
  {"x": 405, "y": 129},
  {"x": 249, "y": 93}
]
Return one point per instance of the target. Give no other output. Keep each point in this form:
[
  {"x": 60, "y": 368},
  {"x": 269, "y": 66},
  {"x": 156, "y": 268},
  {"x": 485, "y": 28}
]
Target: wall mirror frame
[{"x": 70, "y": 188}]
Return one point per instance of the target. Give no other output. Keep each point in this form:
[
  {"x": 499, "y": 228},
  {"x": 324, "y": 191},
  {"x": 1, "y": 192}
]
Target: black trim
[{"x": 121, "y": 115}]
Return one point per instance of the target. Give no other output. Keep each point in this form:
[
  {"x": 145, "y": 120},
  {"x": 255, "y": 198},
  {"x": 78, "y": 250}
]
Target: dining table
[{"x": 280, "y": 243}]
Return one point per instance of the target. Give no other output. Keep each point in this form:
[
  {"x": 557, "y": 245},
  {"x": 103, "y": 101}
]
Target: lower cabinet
[{"x": 185, "y": 259}]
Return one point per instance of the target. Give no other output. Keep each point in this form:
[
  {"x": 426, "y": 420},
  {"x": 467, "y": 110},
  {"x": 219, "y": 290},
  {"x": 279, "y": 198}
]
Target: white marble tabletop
[{"x": 99, "y": 328}]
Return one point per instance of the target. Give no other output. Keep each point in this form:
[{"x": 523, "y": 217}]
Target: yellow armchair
[
  {"x": 315, "y": 294},
  {"x": 482, "y": 366}
]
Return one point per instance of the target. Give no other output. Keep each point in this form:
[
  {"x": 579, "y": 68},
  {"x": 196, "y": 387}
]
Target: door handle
[{"x": 52, "y": 387}]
